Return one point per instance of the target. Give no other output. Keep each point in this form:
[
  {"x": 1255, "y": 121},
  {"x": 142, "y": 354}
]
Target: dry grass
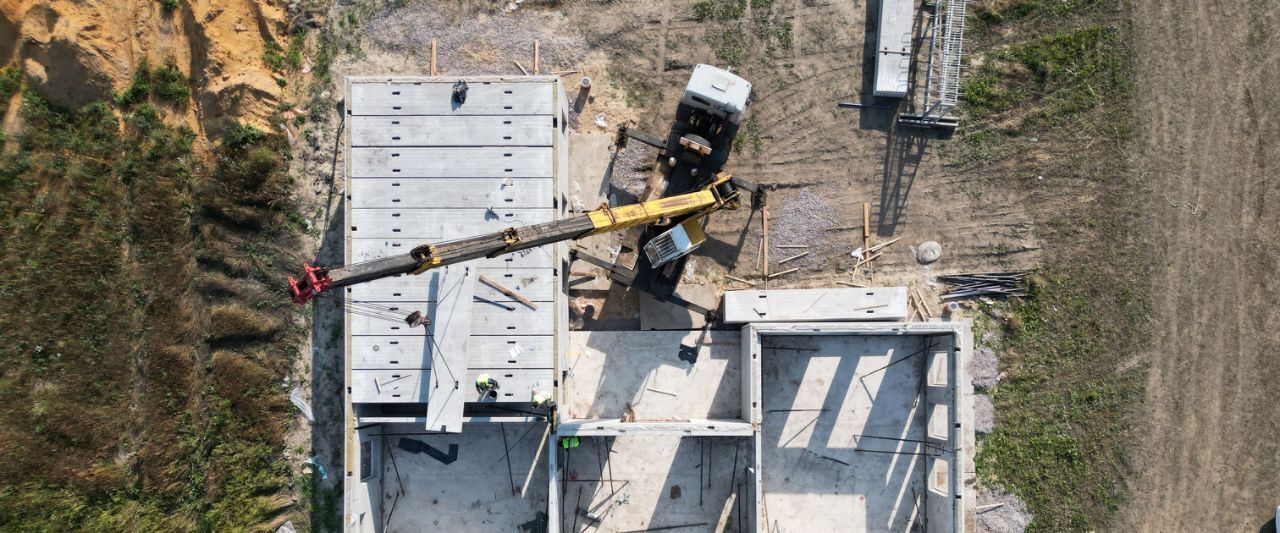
[{"x": 113, "y": 413}]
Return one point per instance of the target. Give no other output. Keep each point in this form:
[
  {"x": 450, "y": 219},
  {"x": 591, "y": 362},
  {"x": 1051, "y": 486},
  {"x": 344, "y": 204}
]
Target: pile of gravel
[
  {"x": 801, "y": 217},
  {"x": 1011, "y": 517},
  {"x": 632, "y": 168},
  {"x": 983, "y": 368},
  {"x": 984, "y": 414}
]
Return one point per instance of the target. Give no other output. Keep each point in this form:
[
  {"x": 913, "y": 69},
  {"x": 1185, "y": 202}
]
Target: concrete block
[
  {"x": 492, "y": 130},
  {"x": 816, "y": 305},
  {"x": 450, "y": 193},
  {"x": 478, "y": 162},
  {"x": 436, "y": 98}
]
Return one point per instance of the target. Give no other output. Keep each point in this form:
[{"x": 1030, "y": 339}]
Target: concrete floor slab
[
  {"x": 652, "y": 482},
  {"x": 460, "y": 482},
  {"x": 838, "y": 430},
  {"x": 658, "y": 315},
  {"x": 611, "y": 370}
]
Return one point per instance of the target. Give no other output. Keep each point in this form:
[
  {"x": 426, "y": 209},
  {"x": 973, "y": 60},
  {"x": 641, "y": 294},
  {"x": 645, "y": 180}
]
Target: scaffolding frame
[{"x": 943, "y": 66}]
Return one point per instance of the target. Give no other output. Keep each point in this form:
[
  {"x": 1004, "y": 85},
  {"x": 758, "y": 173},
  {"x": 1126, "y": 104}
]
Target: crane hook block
[{"x": 314, "y": 281}]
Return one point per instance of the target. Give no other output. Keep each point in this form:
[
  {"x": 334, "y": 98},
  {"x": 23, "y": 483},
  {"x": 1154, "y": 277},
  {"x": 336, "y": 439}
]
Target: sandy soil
[
  {"x": 74, "y": 53},
  {"x": 1210, "y": 459},
  {"x": 824, "y": 161}
]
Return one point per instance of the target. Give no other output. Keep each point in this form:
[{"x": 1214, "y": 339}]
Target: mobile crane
[{"x": 722, "y": 192}]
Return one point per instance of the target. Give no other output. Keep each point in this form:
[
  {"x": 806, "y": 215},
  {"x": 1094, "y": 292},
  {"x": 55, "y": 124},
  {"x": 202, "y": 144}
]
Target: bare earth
[{"x": 1209, "y": 141}]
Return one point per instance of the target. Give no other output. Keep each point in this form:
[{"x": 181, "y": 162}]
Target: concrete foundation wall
[
  {"x": 363, "y": 483},
  {"x": 947, "y": 410}
]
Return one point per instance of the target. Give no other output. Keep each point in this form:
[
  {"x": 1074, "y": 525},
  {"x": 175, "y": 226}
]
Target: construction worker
[
  {"x": 541, "y": 399},
  {"x": 569, "y": 442},
  {"x": 487, "y": 386}
]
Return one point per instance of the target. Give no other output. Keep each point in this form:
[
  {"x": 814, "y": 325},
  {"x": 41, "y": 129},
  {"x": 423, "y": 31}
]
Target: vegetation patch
[
  {"x": 719, "y": 10},
  {"x": 166, "y": 84},
  {"x": 10, "y": 82},
  {"x": 116, "y": 414},
  {"x": 1060, "y": 75},
  {"x": 1065, "y": 403}
]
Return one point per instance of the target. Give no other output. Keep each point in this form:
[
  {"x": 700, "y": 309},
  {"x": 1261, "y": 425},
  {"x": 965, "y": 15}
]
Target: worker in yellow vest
[
  {"x": 487, "y": 386},
  {"x": 541, "y": 399}
]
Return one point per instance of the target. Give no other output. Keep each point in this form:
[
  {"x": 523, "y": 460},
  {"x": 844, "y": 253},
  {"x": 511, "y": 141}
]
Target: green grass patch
[
  {"x": 719, "y": 10},
  {"x": 114, "y": 414},
  {"x": 164, "y": 84},
  {"x": 1065, "y": 405},
  {"x": 1027, "y": 10},
  {"x": 10, "y": 83},
  {"x": 1065, "y": 73}
]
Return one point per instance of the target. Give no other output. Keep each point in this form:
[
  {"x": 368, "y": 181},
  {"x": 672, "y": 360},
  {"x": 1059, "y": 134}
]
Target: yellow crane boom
[{"x": 721, "y": 193}]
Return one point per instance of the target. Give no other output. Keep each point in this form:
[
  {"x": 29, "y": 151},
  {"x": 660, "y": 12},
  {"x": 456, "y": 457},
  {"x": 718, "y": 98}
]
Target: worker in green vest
[
  {"x": 541, "y": 399},
  {"x": 487, "y": 386}
]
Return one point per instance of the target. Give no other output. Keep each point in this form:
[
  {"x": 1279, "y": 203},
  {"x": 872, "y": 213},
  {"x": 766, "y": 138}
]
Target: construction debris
[
  {"x": 502, "y": 289},
  {"x": 927, "y": 252},
  {"x": 494, "y": 303},
  {"x": 983, "y": 284},
  {"x": 797, "y": 256},
  {"x": 776, "y": 274}
]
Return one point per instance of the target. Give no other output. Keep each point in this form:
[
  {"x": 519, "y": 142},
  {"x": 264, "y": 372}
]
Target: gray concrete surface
[
  {"x": 611, "y": 370},
  {"x": 815, "y": 305},
  {"x": 467, "y": 488},
  {"x": 657, "y": 481},
  {"x": 823, "y": 403}
]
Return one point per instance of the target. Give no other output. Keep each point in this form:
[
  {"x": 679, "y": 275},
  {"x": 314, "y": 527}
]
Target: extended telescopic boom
[{"x": 721, "y": 193}]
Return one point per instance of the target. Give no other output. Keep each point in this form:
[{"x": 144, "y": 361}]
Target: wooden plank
[
  {"x": 924, "y": 306},
  {"x": 485, "y": 320},
  {"x": 393, "y": 193},
  {"x": 419, "y": 131},
  {"x": 437, "y": 224},
  {"x": 369, "y": 249},
  {"x": 433, "y": 57},
  {"x": 452, "y": 162},
  {"x": 804, "y": 305},
  {"x": 537, "y": 56},
  {"x": 797, "y": 256},
  {"x": 375, "y": 352},
  {"x": 765, "y": 245},
  {"x": 507, "y": 291},
  {"x": 536, "y": 284},
  {"x": 783, "y": 273},
  {"x": 436, "y": 98}
]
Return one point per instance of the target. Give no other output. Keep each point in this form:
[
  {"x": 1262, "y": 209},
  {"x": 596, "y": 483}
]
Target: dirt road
[{"x": 1209, "y": 146}]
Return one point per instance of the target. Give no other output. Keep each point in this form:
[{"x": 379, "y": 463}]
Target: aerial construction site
[
  {"x": 577, "y": 266},
  {"x": 477, "y": 398}
]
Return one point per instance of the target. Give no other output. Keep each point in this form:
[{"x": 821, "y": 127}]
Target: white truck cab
[{"x": 717, "y": 92}]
